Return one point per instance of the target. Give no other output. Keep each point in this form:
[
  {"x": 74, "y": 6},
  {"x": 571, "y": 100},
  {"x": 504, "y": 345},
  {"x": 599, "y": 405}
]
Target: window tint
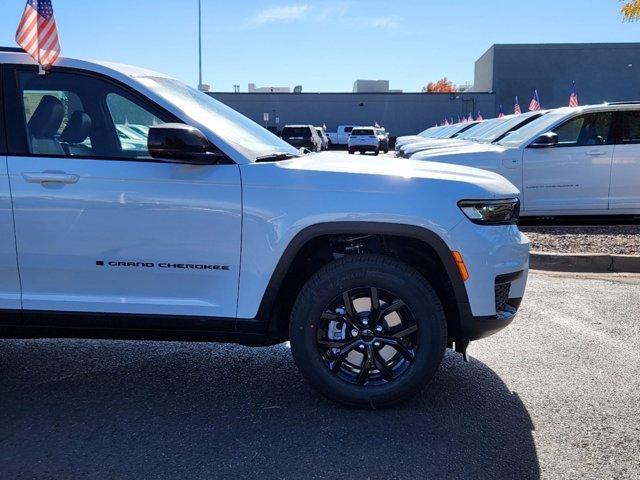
[
  {"x": 584, "y": 130},
  {"x": 79, "y": 115},
  {"x": 296, "y": 132},
  {"x": 362, "y": 132},
  {"x": 628, "y": 130}
]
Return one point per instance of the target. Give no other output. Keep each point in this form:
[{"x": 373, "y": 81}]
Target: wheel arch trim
[{"x": 371, "y": 228}]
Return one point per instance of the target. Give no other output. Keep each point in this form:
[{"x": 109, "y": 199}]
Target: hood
[
  {"x": 469, "y": 148},
  {"x": 375, "y": 172},
  {"x": 441, "y": 143}
]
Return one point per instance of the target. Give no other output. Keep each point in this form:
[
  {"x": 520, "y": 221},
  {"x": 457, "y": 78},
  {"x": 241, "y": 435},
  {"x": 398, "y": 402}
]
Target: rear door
[
  {"x": 101, "y": 226},
  {"x": 9, "y": 280},
  {"x": 625, "y": 172},
  {"x": 575, "y": 174}
]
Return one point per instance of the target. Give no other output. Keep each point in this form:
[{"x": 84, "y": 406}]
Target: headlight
[{"x": 491, "y": 212}]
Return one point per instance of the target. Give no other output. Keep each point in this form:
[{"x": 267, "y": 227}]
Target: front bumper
[
  {"x": 364, "y": 148},
  {"x": 497, "y": 258}
]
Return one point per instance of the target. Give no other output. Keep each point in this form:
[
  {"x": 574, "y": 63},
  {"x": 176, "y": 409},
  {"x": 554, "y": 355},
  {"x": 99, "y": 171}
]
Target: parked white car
[
  {"x": 323, "y": 136},
  {"x": 363, "y": 140},
  {"x": 450, "y": 131},
  {"x": 214, "y": 229},
  {"x": 571, "y": 161},
  {"x": 487, "y": 131},
  {"x": 341, "y": 136}
]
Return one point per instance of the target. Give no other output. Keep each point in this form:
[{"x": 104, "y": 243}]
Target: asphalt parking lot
[{"x": 557, "y": 395}]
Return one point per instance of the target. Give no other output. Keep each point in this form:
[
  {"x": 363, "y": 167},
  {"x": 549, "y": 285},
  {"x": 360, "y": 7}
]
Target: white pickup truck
[
  {"x": 214, "y": 229},
  {"x": 341, "y": 136}
]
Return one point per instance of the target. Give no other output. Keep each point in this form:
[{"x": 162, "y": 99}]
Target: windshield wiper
[{"x": 275, "y": 157}]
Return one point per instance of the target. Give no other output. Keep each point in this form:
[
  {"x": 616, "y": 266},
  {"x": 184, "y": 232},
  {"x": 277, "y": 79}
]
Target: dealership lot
[{"x": 554, "y": 395}]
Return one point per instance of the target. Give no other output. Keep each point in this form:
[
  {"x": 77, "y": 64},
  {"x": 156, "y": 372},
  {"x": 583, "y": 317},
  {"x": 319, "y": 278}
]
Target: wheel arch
[{"x": 282, "y": 280}]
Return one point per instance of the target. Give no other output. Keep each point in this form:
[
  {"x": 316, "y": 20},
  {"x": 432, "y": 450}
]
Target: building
[
  {"x": 605, "y": 71},
  {"x": 253, "y": 89},
  {"x": 602, "y": 72},
  {"x": 371, "y": 86},
  {"x": 399, "y": 113}
]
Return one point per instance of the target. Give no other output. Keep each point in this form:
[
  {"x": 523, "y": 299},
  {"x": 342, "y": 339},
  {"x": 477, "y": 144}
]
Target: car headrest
[
  {"x": 78, "y": 128},
  {"x": 47, "y": 118}
]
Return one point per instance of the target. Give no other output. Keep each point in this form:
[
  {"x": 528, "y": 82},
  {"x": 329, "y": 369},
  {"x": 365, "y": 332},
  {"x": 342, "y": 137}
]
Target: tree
[
  {"x": 631, "y": 10},
  {"x": 442, "y": 85}
]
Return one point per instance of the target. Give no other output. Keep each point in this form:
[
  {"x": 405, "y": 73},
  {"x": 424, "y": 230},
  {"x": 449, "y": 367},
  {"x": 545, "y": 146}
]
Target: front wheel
[{"x": 368, "y": 330}]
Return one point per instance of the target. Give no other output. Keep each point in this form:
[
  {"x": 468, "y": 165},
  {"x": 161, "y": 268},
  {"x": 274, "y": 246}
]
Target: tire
[
  {"x": 351, "y": 151},
  {"x": 322, "y": 360},
  {"x": 376, "y": 152}
]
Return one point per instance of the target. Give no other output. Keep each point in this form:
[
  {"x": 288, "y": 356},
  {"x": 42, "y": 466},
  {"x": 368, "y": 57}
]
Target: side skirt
[{"x": 123, "y": 326}]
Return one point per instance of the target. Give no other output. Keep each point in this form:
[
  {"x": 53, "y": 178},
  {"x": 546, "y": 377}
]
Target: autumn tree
[
  {"x": 631, "y": 10},
  {"x": 442, "y": 85}
]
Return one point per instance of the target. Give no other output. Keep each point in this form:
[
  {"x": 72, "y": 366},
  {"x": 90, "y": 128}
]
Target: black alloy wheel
[{"x": 367, "y": 336}]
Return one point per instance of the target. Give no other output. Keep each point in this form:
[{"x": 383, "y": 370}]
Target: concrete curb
[{"x": 585, "y": 262}]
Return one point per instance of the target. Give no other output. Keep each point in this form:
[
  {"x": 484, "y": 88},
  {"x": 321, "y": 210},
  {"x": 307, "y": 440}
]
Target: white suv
[
  {"x": 217, "y": 230},
  {"x": 571, "y": 161},
  {"x": 363, "y": 140}
]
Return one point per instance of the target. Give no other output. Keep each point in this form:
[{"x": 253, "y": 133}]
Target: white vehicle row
[{"x": 568, "y": 161}]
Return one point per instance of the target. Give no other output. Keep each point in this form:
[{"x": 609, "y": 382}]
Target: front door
[
  {"x": 100, "y": 225},
  {"x": 9, "y": 281},
  {"x": 625, "y": 172},
  {"x": 575, "y": 174}
]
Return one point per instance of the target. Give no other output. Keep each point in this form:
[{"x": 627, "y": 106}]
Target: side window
[
  {"x": 348, "y": 129},
  {"x": 628, "y": 127},
  {"x": 51, "y": 117},
  {"x": 585, "y": 130},
  {"x": 78, "y": 115},
  {"x": 131, "y": 123}
]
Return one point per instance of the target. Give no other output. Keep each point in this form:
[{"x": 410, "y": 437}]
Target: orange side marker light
[{"x": 462, "y": 268}]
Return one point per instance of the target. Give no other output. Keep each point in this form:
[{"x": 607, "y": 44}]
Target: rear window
[
  {"x": 291, "y": 132},
  {"x": 360, "y": 132}
]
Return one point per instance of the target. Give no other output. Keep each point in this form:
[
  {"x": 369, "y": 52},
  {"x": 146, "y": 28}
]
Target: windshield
[
  {"x": 538, "y": 126},
  {"x": 243, "y": 134},
  {"x": 428, "y": 132},
  {"x": 506, "y": 126}
]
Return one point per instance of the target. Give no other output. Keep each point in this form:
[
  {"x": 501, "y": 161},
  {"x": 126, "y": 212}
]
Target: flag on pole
[
  {"x": 479, "y": 117},
  {"x": 501, "y": 112},
  {"x": 534, "y": 106},
  {"x": 37, "y": 32},
  {"x": 470, "y": 117},
  {"x": 516, "y": 109},
  {"x": 573, "y": 98},
  {"x": 446, "y": 122}
]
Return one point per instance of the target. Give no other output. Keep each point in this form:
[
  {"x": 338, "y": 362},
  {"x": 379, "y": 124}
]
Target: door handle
[
  {"x": 51, "y": 177},
  {"x": 595, "y": 153}
]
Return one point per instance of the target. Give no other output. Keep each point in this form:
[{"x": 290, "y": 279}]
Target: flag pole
[{"x": 199, "y": 44}]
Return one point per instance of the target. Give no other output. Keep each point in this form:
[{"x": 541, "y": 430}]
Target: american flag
[
  {"x": 37, "y": 32},
  {"x": 516, "y": 109},
  {"x": 573, "y": 99},
  {"x": 501, "y": 112},
  {"x": 535, "y": 102}
]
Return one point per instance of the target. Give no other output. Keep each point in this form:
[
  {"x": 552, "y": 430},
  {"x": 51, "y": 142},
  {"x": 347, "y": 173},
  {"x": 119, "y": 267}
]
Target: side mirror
[
  {"x": 181, "y": 143},
  {"x": 548, "y": 139}
]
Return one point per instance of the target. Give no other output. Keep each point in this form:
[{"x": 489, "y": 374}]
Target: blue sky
[{"x": 322, "y": 45}]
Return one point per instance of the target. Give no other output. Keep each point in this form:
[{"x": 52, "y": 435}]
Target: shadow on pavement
[{"x": 71, "y": 409}]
